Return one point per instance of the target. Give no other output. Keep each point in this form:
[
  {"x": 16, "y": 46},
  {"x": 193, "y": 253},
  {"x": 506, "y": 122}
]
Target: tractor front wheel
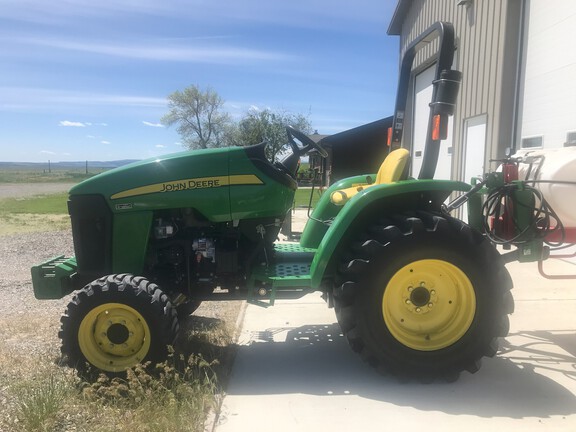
[
  {"x": 117, "y": 322},
  {"x": 423, "y": 297}
]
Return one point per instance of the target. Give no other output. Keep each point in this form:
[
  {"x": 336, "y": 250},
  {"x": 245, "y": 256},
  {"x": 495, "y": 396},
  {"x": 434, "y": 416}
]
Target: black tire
[
  {"x": 115, "y": 323},
  {"x": 424, "y": 297}
]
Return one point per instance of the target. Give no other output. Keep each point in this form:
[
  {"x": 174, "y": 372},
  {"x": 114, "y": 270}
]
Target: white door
[
  {"x": 474, "y": 147},
  {"x": 422, "y": 98},
  {"x": 474, "y": 151}
]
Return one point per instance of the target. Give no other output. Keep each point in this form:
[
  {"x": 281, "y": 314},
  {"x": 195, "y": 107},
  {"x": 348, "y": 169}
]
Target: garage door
[{"x": 549, "y": 109}]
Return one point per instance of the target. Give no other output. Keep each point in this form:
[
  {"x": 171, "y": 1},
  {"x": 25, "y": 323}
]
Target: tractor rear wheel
[
  {"x": 424, "y": 297},
  {"x": 117, "y": 322}
]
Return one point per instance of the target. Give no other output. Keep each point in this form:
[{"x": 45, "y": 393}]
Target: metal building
[
  {"x": 518, "y": 89},
  {"x": 489, "y": 54}
]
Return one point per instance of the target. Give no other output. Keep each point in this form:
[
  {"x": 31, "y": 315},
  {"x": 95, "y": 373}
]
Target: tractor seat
[{"x": 390, "y": 171}]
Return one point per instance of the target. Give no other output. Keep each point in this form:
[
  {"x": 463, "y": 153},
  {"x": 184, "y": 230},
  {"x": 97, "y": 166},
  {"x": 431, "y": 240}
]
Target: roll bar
[{"x": 444, "y": 94}]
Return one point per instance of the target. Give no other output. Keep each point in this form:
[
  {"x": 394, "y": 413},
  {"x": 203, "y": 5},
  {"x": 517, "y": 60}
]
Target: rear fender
[
  {"x": 325, "y": 211},
  {"x": 367, "y": 205}
]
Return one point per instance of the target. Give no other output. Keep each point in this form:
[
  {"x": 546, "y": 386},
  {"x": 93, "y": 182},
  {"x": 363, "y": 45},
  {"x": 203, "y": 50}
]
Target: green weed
[{"x": 38, "y": 402}]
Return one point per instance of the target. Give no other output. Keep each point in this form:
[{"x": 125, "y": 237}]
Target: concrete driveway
[{"x": 295, "y": 372}]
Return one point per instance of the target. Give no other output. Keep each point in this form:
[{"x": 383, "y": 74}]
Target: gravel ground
[
  {"x": 20, "y": 252},
  {"x": 20, "y": 190}
]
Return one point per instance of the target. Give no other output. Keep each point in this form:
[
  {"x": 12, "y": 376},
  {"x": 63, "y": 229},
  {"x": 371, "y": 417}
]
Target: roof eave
[{"x": 402, "y": 8}]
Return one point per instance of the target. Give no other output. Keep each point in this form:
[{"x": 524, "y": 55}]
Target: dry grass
[
  {"x": 19, "y": 223},
  {"x": 34, "y": 214},
  {"x": 37, "y": 394}
]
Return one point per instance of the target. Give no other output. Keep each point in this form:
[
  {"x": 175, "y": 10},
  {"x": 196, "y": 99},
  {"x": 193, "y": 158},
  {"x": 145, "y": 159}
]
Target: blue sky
[{"x": 88, "y": 80}]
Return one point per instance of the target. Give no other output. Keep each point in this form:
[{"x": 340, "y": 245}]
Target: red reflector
[
  {"x": 436, "y": 127},
  {"x": 389, "y": 138},
  {"x": 510, "y": 171}
]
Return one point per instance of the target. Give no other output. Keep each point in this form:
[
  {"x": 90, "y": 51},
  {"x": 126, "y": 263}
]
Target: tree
[
  {"x": 198, "y": 116},
  {"x": 267, "y": 125}
]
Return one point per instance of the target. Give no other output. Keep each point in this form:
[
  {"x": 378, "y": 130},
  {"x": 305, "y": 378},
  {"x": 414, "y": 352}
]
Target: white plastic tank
[{"x": 552, "y": 167}]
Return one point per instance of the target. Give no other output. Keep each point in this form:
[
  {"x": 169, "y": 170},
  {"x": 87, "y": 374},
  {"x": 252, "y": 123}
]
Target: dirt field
[{"x": 16, "y": 190}]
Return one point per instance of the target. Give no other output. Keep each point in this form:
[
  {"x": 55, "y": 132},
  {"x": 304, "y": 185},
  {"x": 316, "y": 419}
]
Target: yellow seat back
[{"x": 393, "y": 166}]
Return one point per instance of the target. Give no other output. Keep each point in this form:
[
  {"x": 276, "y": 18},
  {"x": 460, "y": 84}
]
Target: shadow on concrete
[{"x": 316, "y": 359}]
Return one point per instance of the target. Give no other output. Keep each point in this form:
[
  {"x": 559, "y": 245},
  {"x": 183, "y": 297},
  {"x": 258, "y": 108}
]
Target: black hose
[{"x": 543, "y": 221}]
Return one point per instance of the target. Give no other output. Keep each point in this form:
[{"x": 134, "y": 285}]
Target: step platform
[{"x": 288, "y": 276}]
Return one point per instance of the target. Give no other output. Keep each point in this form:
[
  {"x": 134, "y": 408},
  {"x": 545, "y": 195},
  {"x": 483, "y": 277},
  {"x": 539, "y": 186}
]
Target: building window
[
  {"x": 531, "y": 142},
  {"x": 570, "y": 139}
]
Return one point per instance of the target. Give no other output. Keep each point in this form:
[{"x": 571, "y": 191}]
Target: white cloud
[
  {"x": 200, "y": 50},
  {"x": 47, "y": 152},
  {"x": 105, "y": 142},
  {"x": 161, "y": 146},
  {"x": 156, "y": 125},
  {"x": 47, "y": 99},
  {"x": 67, "y": 123}
]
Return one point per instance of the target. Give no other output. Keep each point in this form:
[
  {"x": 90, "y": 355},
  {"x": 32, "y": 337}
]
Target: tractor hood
[
  {"x": 160, "y": 170},
  {"x": 222, "y": 184}
]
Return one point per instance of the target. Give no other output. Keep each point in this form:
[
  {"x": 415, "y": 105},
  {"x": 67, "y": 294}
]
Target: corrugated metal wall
[{"x": 487, "y": 54}]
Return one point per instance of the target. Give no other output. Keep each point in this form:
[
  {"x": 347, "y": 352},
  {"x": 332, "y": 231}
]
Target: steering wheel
[{"x": 307, "y": 143}]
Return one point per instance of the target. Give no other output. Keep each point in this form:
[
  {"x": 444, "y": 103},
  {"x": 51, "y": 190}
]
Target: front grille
[{"x": 92, "y": 231}]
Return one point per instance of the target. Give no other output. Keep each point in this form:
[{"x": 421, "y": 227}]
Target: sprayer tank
[{"x": 554, "y": 172}]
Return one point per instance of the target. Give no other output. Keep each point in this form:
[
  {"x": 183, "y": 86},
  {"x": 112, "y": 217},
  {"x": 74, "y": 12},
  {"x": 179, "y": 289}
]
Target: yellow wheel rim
[
  {"x": 114, "y": 337},
  {"x": 429, "y": 304}
]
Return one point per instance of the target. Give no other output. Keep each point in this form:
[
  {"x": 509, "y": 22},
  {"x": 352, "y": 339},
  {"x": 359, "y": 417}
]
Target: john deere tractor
[{"x": 417, "y": 292}]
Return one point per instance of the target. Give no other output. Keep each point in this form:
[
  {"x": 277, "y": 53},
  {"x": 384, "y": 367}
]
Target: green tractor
[{"x": 417, "y": 292}]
